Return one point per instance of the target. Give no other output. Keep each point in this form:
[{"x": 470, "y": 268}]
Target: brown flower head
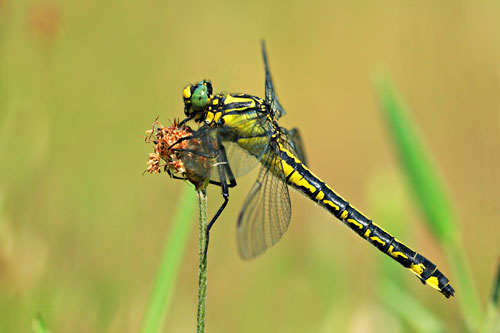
[{"x": 185, "y": 153}]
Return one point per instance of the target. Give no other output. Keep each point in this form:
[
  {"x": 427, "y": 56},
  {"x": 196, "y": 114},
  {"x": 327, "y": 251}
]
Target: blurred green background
[{"x": 82, "y": 231}]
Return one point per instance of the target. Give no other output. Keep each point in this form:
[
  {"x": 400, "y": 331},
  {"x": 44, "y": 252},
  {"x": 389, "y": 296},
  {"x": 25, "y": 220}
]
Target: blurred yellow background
[{"x": 82, "y": 231}]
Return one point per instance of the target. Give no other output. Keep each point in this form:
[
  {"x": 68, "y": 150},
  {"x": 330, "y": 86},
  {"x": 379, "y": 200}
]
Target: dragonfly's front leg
[{"x": 184, "y": 121}]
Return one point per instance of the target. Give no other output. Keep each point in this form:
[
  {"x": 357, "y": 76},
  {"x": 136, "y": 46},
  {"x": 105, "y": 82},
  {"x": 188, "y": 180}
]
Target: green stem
[
  {"x": 202, "y": 273},
  {"x": 496, "y": 287},
  {"x": 39, "y": 325},
  {"x": 161, "y": 294},
  {"x": 413, "y": 312},
  {"x": 492, "y": 323},
  {"x": 468, "y": 300},
  {"x": 493, "y": 314},
  {"x": 433, "y": 198}
]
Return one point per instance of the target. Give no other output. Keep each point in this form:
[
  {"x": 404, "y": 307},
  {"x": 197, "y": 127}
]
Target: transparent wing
[
  {"x": 293, "y": 139},
  {"x": 201, "y": 154},
  {"x": 244, "y": 140},
  {"x": 239, "y": 160},
  {"x": 271, "y": 98},
  {"x": 266, "y": 213}
]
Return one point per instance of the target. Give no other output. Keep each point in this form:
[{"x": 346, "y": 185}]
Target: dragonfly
[{"x": 244, "y": 131}]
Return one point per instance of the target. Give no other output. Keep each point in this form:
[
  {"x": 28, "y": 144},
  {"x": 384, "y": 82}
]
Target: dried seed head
[{"x": 184, "y": 154}]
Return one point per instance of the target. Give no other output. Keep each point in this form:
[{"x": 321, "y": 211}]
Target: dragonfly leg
[
  {"x": 225, "y": 195},
  {"x": 180, "y": 140},
  {"x": 224, "y": 170},
  {"x": 194, "y": 152},
  {"x": 183, "y": 122}
]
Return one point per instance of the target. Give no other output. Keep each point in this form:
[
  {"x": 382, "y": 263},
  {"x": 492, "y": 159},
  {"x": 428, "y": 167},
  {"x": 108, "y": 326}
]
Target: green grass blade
[
  {"x": 424, "y": 180},
  {"x": 39, "y": 325},
  {"x": 496, "y": 287},
  {"x": 413, "y": 312},
  {"x": 161, "y": 294},
  {"x": 493, "y": 313},
  {"x": 430, "y": 194}
]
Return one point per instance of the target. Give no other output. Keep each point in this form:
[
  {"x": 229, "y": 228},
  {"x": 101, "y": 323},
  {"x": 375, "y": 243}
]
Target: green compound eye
[{"x": 200, "y": 98}]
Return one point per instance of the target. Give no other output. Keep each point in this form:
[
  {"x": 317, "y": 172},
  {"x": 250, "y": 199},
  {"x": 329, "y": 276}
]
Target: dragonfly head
[{"x": 196, "y": 98}]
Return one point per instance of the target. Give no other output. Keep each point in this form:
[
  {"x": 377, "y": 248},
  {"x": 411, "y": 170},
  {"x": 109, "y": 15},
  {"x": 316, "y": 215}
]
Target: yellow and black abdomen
[{"x": 302, "y": 179}]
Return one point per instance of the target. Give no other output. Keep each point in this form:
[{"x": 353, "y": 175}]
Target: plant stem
[
  {"x": 39, "y": 325},
  {"x": 202, "y": 273},
  {"x": 496, "y": 287},
  {"x": 433, "y": 198},
  {"x": 413, "y": 312},
  {"x": 468, "y": 299},
  {"x": 493, "y": 314}
]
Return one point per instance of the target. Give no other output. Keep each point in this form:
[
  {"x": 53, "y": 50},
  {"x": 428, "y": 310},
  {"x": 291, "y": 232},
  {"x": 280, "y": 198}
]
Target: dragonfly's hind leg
[{"x": 224, "y": 173}]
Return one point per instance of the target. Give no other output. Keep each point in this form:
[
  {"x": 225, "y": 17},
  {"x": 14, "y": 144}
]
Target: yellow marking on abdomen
[
  {"x": 320, "y": 195},
  {"x": 344, "y": 214},
  {"x": 296, "y": 178},
  {"x": 377, "y": 239},
  {"x": 356, "y": 223},
  {"x": 367, "y": 233},
  {"x": 433, "y": 282},
  {"x": 417, "y": 269},
  {"x": 286, "y": 151},
  {"x": 396, "y": 254},
  {"x": 331, "y": 204}
]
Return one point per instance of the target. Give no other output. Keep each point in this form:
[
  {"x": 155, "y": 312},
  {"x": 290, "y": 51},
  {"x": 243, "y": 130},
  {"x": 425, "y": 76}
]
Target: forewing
[
  {"x": 271, "y": 97},
  {"x": 295, "y": 142},
  {"x": 266, "y": 213},
  {"x": 201, "y": 153},
  {"x": 240, "y": 160},
  {"x": 245, "y": 140},
  {"x": 241, "y": 143}
]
